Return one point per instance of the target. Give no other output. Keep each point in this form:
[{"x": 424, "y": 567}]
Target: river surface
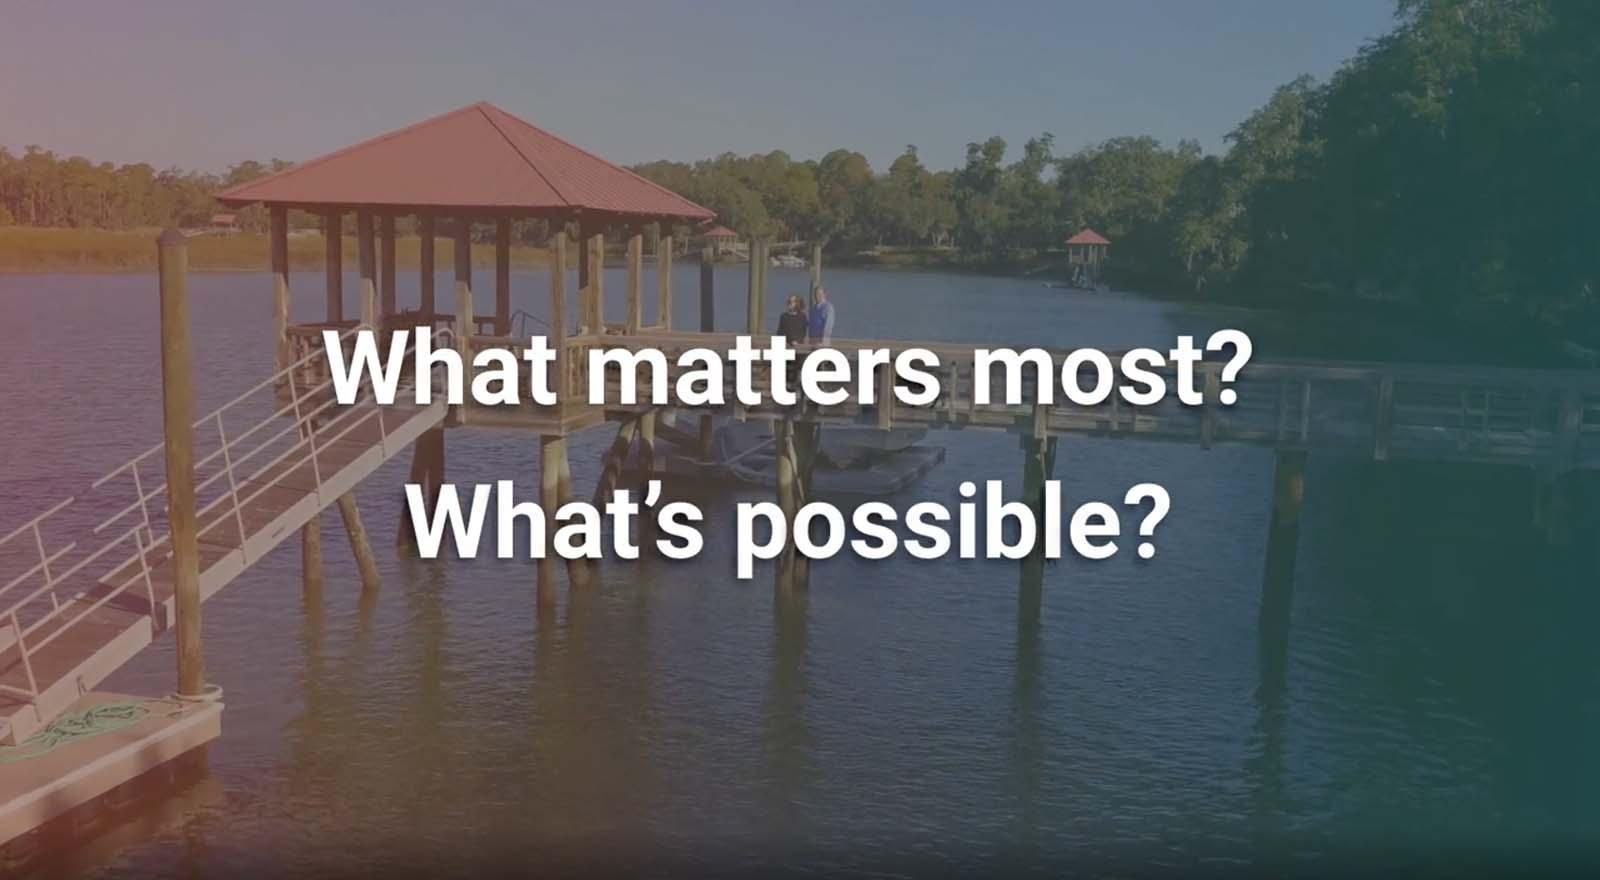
[{"x": 1438, "y": 702}]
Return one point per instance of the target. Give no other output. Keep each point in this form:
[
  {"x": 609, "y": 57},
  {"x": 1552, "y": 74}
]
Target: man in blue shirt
[{"x": 820, "y": 328}]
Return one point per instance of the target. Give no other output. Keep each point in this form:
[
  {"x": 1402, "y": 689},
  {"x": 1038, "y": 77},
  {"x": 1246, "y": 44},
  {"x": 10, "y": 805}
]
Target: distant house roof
[
  {"x": 1088, "y": 236},
  {"x": 478, "y": 157},
  {"x": 718, "y": 232}
]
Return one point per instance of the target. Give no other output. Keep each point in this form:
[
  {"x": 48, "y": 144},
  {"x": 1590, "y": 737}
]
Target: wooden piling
[
  {"x": 1283, "y": 531},
  {"x": 177, "y": 400},
  {"x": 466, "y": 324},
  {"x": 311, "y": 557},
  {"x": 280, "y": 287},
  {"x": 425, "y": 271},
  {"x": 367, "y": 252},
  {"x": 597, "y": 284},
  {"x": 635, "y": 282},
  {"x": 1038, "y": 467},
  {"x": 333, "y": 264},
  {"x": 664, "y": 277},
  {"x": 647, "y": 472},
  {"x": 615, "y": 458},
  {"x": 388, "y": 304},
  {"x": 752, "y": 306},
  {"x": 552, "y": 452},
  {"x": 816, "y": 268},
  {"x": 502, "y": 276},
  {"x": 558, "y": 314},
  {"x": 708, "y": 321},
  {"x": 366, "y": 563}
]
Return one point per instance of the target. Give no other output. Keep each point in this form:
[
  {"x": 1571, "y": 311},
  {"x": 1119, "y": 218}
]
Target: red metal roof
[
  {"x": 1088, "y": 236},
  {"x": 476, "y": 157},
  {"x": 719, "y": 232}
]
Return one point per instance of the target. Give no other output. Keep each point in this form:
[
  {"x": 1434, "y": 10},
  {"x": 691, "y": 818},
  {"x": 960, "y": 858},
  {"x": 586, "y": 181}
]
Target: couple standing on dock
[{"x": 796, "y": 326}]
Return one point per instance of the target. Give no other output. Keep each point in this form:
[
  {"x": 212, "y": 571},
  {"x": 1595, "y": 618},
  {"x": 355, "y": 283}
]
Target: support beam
[
  {"x": 664, "y": 278},
  {"x": 466, "y": 324},
  {"x": 333, "y": 264},
  {"x": 558, "y": 314},
  {"x": 647, "y": 471},
  {"x": 425, "y": 274},
  {"x": 388, "y": 304},
  {"x": 280, "y": 287},
  {"x": 1283, "y": 531},
  {"x": 597, "y": 284},
  {"x": 1038, "y": 467},
  {"x": 585, "y": 241},
  {"x": 708, "y": 298},
  {"x": 366, "y": 563},
  {"x": 502, "y": 276},
  {"x": 367, "y": 252},
  {"x": 616, "y": 457},
  {"x": 752, "y": 306},
  {"x": 552, "y": 455},
  {"x": 177, "y": 404},
  {"x": 635, "y": 282},
  {"x": 577, "y": 569},
  {"x": 708, "y": 323},
  {"x": 427, "y": 471},
  {"x": 311, "y": 558}
]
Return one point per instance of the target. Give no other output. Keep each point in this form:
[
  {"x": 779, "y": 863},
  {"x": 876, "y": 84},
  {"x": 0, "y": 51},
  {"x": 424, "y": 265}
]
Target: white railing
[{"x": 280, "y": 426}]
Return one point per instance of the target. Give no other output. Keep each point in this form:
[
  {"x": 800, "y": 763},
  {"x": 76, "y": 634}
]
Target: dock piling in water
[{"x": 177, "y": 405}]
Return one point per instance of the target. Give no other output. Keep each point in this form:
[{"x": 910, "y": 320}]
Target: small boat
[{"x": 788, "y": 261}]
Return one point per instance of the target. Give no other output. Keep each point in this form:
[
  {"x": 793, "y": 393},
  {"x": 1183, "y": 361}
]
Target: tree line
[{"x": 1449, "y": 164}]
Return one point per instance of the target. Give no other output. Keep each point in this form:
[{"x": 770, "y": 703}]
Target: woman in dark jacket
[{"x": 792, "y": 323}]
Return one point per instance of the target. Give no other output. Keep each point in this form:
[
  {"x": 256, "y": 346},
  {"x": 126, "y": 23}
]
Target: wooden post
[
  {"x": 761, "y": 287},
  {"x": 177, "y": 404},
  {"x": 427, "y": 471},
  {"x": 311, "y": 557},
  {"x": 1038, "y": 465},
  {"x": 558, "y": 314},
  {"x": 752, "y": 306},
  {"x": 816, "y": 267},
  {"x": 368, "y": 257},
  {"x": 1283, "y": 531},
  {"x": 584, "y": 243},
  {"x": 466, "y": 324},
  {"x": 597, "y": 284},
  {"x": 577, "y": 569},
  {"x": 1277, "y": 587},
  {"x": 616, "y": 457},
  {"x": 664, "y": 278},
  {"x": 388, "y": 304},
  {"x": 280, "y": 287},
  {"x": 502, "y": 276},
  {"x": 708, "y": 310},
  {"x": 333, "y": 263},
  {"x": 552, "y": 452},
  {"x": 425, "y": 269},
  {"x": 708, "y": 299},
  {"x": 635, "y": 281},
  {"x": 366, "y": 563},
  {"x": 647, "y": 471}
]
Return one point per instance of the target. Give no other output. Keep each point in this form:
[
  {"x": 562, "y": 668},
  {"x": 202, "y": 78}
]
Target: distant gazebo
[
  {"x": 1086, "y": 255},
  {"x": 718, "y": 238}
]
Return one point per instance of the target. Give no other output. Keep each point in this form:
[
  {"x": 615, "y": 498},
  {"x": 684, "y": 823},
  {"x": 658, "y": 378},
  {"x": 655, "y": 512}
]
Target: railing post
[
  {"x": 233, "y": 487},
  {"x": 177, "y": 397}
]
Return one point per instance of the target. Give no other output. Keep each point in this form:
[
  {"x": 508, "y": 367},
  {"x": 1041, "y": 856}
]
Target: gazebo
[
  {"x": 478, "y": 164},
  {"x": 1086, "y": 254},
  {"x": 718, "y": 237}
]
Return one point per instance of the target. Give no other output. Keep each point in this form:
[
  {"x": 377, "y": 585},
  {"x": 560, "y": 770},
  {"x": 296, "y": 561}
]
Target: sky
[{"x": 202, "y": 84}]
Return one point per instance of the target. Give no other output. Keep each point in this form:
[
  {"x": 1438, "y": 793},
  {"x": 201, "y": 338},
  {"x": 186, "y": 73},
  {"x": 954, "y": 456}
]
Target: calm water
[{"x": 1439, "y": 700}]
